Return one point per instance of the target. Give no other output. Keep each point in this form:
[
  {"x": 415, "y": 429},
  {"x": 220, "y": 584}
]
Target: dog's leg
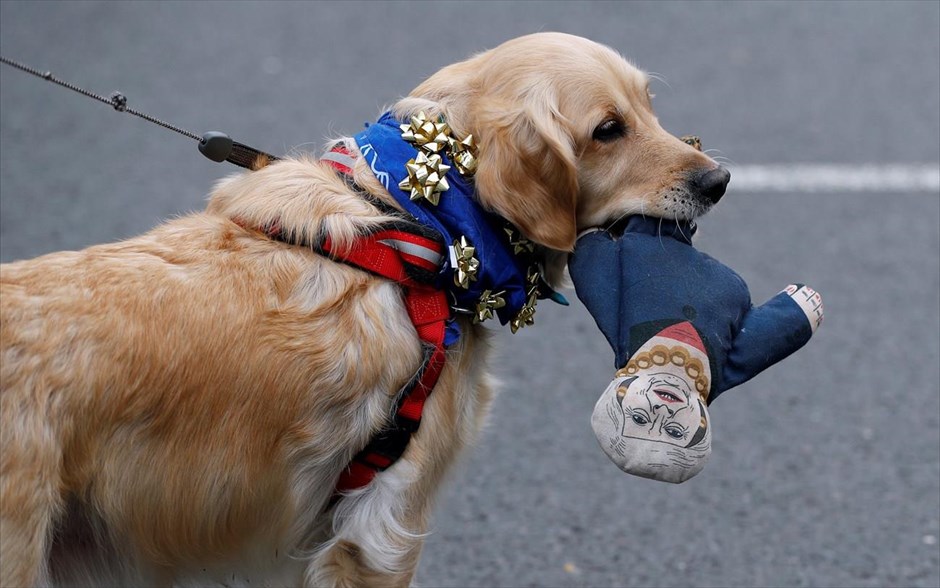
[
  {"x": 380, "y": 530},
  {"x": 375, "y": 541},
  {"x": 29, "y": 499}
]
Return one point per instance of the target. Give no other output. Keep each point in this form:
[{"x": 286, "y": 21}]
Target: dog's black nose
[{"x": 711, "y": 184}]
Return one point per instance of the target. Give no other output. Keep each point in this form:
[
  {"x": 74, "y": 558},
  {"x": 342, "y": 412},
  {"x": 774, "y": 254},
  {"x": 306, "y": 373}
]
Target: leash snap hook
[{"x": 216, "y": 146}]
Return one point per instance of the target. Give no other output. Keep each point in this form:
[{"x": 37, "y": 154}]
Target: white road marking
[{"x": 836, "y": 178}]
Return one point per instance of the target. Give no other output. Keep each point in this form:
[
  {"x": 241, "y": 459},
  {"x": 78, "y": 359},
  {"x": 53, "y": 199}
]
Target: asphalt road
[{"x": 826, "y": 468}]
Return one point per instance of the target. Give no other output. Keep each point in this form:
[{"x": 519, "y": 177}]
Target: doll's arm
[{"x": 771, "y": 332}]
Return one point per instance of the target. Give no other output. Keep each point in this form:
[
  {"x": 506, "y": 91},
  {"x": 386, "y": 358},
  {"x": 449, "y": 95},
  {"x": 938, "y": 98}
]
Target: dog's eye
[{"x": 609, "y": 130}]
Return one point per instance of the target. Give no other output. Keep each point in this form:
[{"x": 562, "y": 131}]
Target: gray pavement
[{"x": 826, "y": 469}]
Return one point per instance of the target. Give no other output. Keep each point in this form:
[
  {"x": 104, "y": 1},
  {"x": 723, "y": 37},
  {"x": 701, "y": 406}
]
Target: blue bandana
[{"x": 501, "y": 271}]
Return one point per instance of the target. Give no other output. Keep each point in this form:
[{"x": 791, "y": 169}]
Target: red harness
[
  {"x": 393, "y": 252},
  {"x": 428, "y": 310}
]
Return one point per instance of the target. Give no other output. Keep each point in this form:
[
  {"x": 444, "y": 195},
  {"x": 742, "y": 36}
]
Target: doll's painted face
[
  {"x": 652, "y": 425},
  {"x": 660, "y": 406},
  {"x": 652, "y": 419}
]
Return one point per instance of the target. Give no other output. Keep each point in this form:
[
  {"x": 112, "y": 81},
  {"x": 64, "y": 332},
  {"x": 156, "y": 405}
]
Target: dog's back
[{"x": 185, "y": 396}]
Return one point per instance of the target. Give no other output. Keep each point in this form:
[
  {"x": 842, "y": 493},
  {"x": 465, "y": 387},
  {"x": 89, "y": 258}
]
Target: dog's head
[{"x": 567, "y": 138}]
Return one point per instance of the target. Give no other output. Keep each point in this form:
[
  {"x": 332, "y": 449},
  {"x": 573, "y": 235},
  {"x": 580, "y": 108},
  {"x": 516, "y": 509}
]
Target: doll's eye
[
  {"x": 667, "y": 396},
  {"x": 639, "y": 419},
  {"x": 675, "y": 432}
]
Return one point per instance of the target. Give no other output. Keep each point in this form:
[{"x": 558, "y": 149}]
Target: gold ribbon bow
[
  {"x": 426, "y": 177},
  {"x": 467, "y": 265}
]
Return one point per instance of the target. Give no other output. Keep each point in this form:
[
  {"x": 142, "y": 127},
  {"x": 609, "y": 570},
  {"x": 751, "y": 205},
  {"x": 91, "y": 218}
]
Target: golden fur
[{"x": 176, "y": 408}]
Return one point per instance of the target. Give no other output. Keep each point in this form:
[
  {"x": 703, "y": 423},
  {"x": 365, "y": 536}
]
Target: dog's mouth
[
  {"x": 688, "y": 199},
  {"x": 683, "y": 230},
  {"x": 617, "y": 227},
  {"x": 676, "y": 204}
]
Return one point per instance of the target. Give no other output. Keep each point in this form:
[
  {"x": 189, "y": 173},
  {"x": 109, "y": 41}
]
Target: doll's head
[{"x": 652, "y": 420}]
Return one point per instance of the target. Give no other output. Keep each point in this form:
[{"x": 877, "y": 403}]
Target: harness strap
[
  {"x": 341, "y": 159},
  {"x": 428, "y": 310},
  {"x": 410, "y": 254},
  {"x": 389, "y": 444},
  {"x": 392, "y": 254}
]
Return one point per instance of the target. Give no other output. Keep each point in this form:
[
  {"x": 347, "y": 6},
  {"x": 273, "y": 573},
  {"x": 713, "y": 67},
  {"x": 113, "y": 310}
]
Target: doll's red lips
[{"x": 667, "y": 396}]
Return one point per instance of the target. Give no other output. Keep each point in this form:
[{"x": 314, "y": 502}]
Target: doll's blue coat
[{"x": 652, "y": 277}]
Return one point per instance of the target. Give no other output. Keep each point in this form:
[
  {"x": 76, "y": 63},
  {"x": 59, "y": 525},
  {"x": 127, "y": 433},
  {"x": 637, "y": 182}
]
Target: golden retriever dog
[{"x": 177, "y": 407}]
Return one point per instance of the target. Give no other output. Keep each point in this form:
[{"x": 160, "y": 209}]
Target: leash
[{"x": 214, "y": 145}]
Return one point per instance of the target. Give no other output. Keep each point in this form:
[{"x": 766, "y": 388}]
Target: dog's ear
[{"x": 527, "y": 171}]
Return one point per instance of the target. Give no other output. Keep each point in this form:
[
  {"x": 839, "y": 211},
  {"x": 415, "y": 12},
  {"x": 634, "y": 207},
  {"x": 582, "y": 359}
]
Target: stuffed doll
[{"x": 683, "y": 331}]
